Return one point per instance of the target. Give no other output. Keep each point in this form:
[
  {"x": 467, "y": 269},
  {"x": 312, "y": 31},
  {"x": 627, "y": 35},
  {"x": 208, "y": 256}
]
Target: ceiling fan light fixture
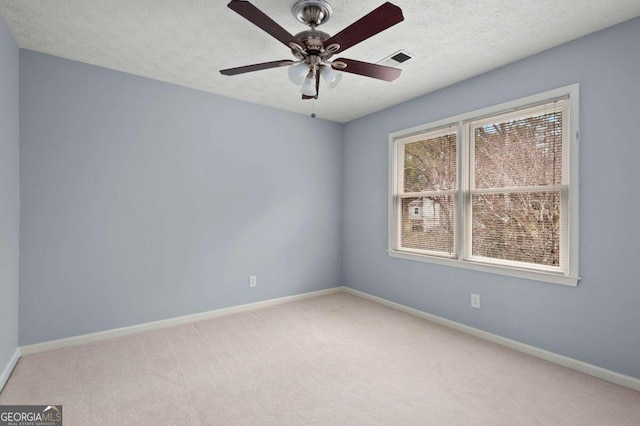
[
  {"x": 298, "y": 72},
  {"x": 330, "y": 76},
  {"x": 313, "y": 49},
  {"x": 336, "y": 81},
  {"x": 309, "y": 86}
]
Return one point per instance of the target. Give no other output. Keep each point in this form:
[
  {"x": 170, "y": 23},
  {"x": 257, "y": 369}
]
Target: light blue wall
[
  {"x": 144, "y": 201},
  {"x": 597, "y": 322},
  {"x": 9, "y": 196}
]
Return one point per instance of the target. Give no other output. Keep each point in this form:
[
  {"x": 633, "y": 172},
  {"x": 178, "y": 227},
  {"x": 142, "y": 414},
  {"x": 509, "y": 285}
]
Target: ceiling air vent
[{"x": 396, "y": 59}]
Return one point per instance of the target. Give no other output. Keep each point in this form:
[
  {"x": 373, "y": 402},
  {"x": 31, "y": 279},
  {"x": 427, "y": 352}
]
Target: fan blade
[
  {"x": 317, "y": 88},
  {"x": 369, "y": 25},
  {"x": 257, "y": 67},
  {"x": 368, "y": 69},
  {"x": 260, "y": 19}
]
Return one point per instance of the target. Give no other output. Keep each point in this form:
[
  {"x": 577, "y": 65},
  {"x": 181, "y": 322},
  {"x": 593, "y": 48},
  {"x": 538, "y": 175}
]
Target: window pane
[
  {"x": 430, "y": 164},
  {"x": 427, "y": 223},
  {"x": 523, "y": 152},
  {"x": 523, "y": 227}
]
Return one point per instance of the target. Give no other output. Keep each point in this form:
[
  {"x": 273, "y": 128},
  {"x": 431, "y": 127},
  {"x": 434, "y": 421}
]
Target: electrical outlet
[
  {"x": 253, "y": 281},
  {"x": 475, "y": 300}
]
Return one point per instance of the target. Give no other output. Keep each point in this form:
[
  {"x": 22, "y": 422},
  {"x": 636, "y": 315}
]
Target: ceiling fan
[{"x": 313, "y": 49}]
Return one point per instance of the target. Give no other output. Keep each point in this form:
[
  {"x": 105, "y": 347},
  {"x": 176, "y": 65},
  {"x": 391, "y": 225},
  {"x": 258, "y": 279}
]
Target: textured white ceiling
[{"x": 187, "y": 42}]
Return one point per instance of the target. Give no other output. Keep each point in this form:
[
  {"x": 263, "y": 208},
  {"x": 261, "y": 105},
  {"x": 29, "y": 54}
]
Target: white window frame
[{"x": 462, "y": 258}]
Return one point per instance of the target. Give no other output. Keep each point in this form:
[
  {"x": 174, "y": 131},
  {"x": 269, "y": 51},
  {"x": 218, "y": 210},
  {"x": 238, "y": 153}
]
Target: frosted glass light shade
[
  {"x": 309, "y": 87},
  {"x": 331, "y": 76},
  {"x": 298, "y": 72}
]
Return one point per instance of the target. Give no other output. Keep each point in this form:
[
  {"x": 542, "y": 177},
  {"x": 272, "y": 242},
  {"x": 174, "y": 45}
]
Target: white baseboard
[
  {"x": 574, "y": 364},
  {"x": 9, "y": 368},
  {"x": 117, "y": 332}
]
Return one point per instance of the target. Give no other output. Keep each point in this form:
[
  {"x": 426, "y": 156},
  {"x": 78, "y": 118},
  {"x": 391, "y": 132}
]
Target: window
[
  {"x": 428, "y": 189},
  {"x": 493, "y": 190}
]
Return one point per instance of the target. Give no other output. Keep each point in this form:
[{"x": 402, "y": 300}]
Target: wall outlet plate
[
  {"x": 475, "y": 300},
  {"x": 253, "y": 281}
]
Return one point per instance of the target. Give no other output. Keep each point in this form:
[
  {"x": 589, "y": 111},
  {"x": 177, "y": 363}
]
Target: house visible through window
[{"x": 491, "y": 190}]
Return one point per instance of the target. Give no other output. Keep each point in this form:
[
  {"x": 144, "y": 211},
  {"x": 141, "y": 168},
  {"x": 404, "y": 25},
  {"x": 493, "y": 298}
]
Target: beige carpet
[{"x": 333, "y": 360}]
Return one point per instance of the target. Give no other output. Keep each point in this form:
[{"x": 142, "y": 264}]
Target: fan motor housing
[{"x": 312, "y": 39}]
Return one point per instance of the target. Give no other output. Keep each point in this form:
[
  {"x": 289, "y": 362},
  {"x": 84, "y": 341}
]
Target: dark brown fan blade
[
  {"x": 257, "y": 17},
  {"x": 317, "y": 88},
  {"x": 369, "y": 70},
  {"x": 256, "y": 67},
  {"x": 369, "y": 25}
]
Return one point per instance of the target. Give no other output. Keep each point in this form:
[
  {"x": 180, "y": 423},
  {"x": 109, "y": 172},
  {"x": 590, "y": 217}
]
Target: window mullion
[{"x": 462, "y": 183}]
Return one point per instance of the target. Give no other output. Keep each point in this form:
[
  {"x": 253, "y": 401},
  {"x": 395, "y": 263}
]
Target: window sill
[{"x": 493, "y": 269}]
